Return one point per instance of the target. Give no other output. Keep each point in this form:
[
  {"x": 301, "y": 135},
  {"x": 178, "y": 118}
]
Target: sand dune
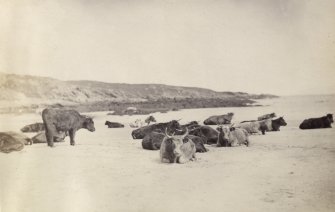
[{"x": 290, "y": 170}]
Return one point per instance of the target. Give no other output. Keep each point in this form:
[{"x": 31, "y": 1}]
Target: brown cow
[{"x": 56, "y": 120}]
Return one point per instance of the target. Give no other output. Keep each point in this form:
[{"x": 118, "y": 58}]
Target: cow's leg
[
  {"x": 50, "y": 130},
  {"x": 194, "y": 158},
  {"x": 246, "y": 142},
  {"x": 182, "y": 159},
  {"x": 165, "y": 160},
  {"x": 72, "y": 134}
]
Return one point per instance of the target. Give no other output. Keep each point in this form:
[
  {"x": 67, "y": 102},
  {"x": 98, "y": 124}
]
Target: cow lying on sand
[
  {"x": 231, "y": 136},
  {"x": 37, "y": 127},
  {"x": 256, "y": 126},
  {"x": 266, "y": 116},
  {"x": 221, "y": 119},
  {"x": 41, "y": 138},
  {"x": 315, "y": 123},
  {"x": 12, "y": 141},
  {"x": 114, "y": 124},
  {"x": 56, "y": 120},
  {"x": 175, "y": 150},
  {"x": 277, "y": 123},
  {"x": 154, "y": 140},
  {"x": 140, "y": 133},
  {"x": 207, "y": 133}
]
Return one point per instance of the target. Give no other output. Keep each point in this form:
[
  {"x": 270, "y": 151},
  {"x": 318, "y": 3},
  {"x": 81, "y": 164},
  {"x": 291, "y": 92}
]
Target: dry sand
[{"x": 290, "y": 170}]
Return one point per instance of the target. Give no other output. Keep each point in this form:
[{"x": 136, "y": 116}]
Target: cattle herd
[{"x": 177, "y": 143}]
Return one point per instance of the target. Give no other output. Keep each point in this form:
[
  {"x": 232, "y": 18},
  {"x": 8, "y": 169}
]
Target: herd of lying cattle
[{"x": 176, "y": 142}]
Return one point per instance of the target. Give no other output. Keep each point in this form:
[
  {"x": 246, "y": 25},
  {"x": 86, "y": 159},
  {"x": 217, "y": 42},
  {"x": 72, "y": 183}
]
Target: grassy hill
[{"x": 33, "y": 91}]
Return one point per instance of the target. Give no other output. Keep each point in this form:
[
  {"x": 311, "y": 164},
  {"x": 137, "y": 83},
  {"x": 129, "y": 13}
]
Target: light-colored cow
[
  {"x": 256, "y": 126},
  {"x": 177, "y": 149},
  {"x": 266, "y": 116},
  {"x": 137, "y": 124},
  {"x": 231, "y": 136}
]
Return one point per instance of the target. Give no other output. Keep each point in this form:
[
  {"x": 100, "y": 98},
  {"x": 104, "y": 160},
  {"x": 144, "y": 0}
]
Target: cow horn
[
  {"x": 166, "y": 133},
  {"x": 186, "y": 133}
]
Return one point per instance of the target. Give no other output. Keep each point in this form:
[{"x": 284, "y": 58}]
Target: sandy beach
[{"x": 290, "y": 170}]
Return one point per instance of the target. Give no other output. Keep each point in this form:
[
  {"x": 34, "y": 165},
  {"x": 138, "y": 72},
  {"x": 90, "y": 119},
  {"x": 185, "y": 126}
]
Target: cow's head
[
  {"x": 89, "y": 124},
  {"x": 224, "y": 131},
  {"x": 330, "y": 117},
  {"x": 175, "y": 142},
  {"x": 138, "y": 134},
  {"x": 25, "y": 129},
  {"x": 172, "y": 126},
  {"x": 230, "y": 114},
  {"x": 107, "y": 123},
  {"x": 281, "y": 121}
]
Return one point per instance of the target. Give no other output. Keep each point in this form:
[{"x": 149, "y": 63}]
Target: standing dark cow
[
  {"x": 141, "y": 132},
  {"x": 56, "y": 120},
  {"x": 276, "y": 123},
  {"x": 222, "y": 119},
  {"x": 315, "y": 123},
  {"x": 177, "y": 149},
  {"x": 113, "y": 124},
  {"x": 207, "y": 133},
  {"x": 37, "y": 127}
]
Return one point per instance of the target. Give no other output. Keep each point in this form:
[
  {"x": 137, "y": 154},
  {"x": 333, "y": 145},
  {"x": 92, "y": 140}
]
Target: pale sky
[{"x": 283, "y": 47}]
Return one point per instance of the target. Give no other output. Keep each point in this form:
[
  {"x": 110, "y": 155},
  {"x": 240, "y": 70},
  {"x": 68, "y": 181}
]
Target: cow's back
[
  {"x": 239, "y": 136},
  {"x": 153, "y": 141},
  {"x": 250, "y": 127},
  {"x": 315, "y": 123},
  {"x": 62, "y": 119}
]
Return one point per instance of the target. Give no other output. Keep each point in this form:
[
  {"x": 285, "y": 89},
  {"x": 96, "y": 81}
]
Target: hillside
[{"x": 24, "y": 90}]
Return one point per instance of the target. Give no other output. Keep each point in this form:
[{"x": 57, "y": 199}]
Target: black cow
[
  {"x": 141, "y": 132},
  {"x": 199, "y": 143},
  {"x": 68, "y": 121},
  {"x": 114, "y": 124},
  {"x": 150, "y": 119},
  {"x": 208, "y": 134},
  {"x": 276, "y": 123},
  {"x": 315, "y": 123},
  {"x": 191, "y": 125},
  {"x": 153, "y": 141}
]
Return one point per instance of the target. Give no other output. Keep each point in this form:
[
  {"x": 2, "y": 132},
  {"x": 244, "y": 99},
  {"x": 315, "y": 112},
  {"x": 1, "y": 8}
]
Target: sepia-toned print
[{"x": 167, "y": 105}]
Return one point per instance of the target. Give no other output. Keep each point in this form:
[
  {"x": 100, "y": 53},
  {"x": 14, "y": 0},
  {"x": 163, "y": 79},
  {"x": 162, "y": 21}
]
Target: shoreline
[{"x": 142, "y": 108}]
